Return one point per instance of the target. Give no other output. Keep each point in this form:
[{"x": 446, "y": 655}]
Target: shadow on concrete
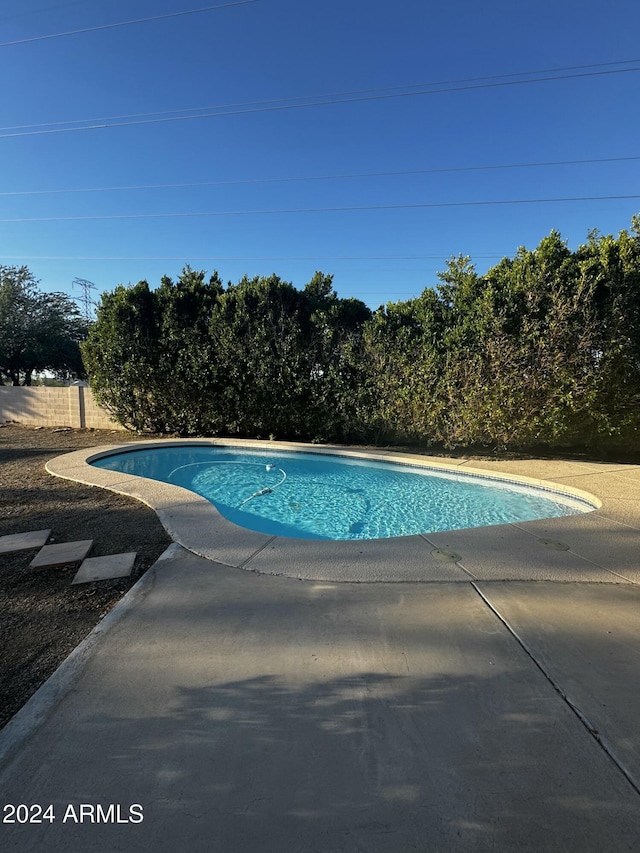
[
  {"x": 365, "y": 762},
  {"x": 248, "y": 713}
]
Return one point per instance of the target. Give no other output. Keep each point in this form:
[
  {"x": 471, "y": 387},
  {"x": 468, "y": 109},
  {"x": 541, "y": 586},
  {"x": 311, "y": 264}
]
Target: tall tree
[
  {"x": 122, "y": 354},
  {"x": 543, "y": 349},
  {"x": 257, "y": 330},
  {"x": 404, "y": 354},
  {"x": 335, "y": 372},
  {"x": 38, "y": 331},
  {"x": 256, "y": 358},
  {"x": 187, "y": 359}
]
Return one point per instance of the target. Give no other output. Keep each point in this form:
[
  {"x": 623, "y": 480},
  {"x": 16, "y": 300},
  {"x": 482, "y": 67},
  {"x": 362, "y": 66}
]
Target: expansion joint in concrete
[
  {"x": 243, "y": 565},
  {"x": 455, "y": 558},
  {"x": 556, "y": 687}
]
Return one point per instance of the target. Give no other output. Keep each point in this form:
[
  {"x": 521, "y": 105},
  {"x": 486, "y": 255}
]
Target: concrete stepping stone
[
  {"x": 23, "y": 541},
  {"x": 105, "y": 568},
  {"x": 61, "y": 553}
]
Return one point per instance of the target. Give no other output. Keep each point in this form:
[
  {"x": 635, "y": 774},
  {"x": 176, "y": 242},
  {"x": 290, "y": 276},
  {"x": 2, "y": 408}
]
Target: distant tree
[{"x": 38, "y": 331}]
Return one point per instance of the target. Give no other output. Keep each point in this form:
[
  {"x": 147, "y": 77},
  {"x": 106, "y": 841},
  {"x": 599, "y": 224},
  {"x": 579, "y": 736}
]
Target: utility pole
[{"x": 85, "y": 299}]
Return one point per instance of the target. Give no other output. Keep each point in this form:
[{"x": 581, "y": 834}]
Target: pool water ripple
[{"x": 316, "y": 496}]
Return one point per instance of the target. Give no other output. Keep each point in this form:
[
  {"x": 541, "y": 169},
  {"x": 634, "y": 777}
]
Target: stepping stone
[
  {"x": 104, "y": 568},
  {"x": 23, "y": 541},
  {"x": 61, "y": 554}
]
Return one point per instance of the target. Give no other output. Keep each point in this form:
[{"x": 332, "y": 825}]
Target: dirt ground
[{"x": 43, "y": 617}]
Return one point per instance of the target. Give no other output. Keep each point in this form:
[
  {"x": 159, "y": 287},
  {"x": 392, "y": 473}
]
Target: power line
[
  {"x": 338, "y": 177},
  {"x": 356, "y": 208},
  {"x": 125, "y": 23},
  {"x": 247, "y": 258},
  {"x": 265, "y": 101},
  {"x": 331, "y": 102}
]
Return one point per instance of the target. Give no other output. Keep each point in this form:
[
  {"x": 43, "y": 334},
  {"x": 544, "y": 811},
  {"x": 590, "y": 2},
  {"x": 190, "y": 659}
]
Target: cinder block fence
[{"x": 40, "y": 405}]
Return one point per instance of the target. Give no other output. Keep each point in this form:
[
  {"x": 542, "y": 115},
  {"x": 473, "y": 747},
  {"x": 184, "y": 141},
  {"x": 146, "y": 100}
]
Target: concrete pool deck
[
  {"x": 484, "y": 697},
  {"x": 476, "y": 553}
]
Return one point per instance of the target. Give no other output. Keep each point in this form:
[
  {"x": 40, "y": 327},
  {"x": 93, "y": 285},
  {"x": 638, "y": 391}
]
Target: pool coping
[{"x": 196, "y": 525}]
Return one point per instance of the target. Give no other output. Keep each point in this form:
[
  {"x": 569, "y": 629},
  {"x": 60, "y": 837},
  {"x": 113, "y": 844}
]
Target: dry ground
[{"x": 42, "y": 617}]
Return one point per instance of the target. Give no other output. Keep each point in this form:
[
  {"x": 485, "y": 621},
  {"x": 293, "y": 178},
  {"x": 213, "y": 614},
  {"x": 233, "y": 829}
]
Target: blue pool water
[{"x": 315, "y": 496}]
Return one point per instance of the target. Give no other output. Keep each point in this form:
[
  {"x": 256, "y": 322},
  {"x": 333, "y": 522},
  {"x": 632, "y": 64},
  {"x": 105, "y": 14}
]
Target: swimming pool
[{"x": 318, "y": 496}]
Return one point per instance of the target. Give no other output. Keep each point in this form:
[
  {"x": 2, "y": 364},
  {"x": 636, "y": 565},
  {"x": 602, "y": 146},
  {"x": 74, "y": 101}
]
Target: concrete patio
[{"x": 470, "y": 690}]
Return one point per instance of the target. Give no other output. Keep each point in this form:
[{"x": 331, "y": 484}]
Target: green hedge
[{"x": 544, "y": 349}]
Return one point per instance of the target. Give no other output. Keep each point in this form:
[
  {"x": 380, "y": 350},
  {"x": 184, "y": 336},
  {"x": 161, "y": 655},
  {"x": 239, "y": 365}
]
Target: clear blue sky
[{"x": 289, "y": 52}]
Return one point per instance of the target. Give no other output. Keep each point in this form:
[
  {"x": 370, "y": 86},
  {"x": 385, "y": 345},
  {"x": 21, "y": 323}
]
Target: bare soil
[{"x": 43, "y": 617}]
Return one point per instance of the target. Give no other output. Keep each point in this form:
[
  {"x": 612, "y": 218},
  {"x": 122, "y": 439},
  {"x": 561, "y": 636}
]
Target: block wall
[{"x": 43, "y": 406}]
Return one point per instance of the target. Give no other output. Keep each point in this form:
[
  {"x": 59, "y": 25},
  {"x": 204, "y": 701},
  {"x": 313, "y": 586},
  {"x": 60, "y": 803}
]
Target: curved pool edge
[{"x": 196, "y": 525}]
